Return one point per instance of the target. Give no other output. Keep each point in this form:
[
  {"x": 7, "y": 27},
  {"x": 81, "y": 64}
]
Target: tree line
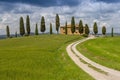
[
  {"x": 22, "y": 31},
  {"x": 82, "y": 29}
]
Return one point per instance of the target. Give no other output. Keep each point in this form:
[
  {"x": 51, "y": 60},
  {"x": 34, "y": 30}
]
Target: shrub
[{"x": 85, "y": 35}]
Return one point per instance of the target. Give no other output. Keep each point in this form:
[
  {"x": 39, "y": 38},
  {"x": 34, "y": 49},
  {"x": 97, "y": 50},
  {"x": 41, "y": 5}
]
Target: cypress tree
[
  {"x": 95, "y": 28},
  {"x": 22, "y": 29},
  {"x": 80, "y": 27},
  {"x": 73, "y": 25},
  {"x": 42, "y": 29},
  {"x": 112, "y": 33},
  {"x": 87, "y": 31},
  {"x": 57, "y": 23},
  {"x": 28, "y": 25},
  {"x": 16, "y": 34},
  {"x": 66, "y": 28},
  {"x": 51, "y": 28},
  {"x": 8, "y": 31},
  {"x": 103, "y": 30},
  {"x": 36, "y": 29}
]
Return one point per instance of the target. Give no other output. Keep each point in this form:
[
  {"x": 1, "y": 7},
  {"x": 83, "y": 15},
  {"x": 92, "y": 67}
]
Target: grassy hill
[
  {"x": 38, "y": 58},
  {"x": 105, "y": 51}
]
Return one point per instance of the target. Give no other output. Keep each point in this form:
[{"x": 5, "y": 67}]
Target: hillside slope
[{"x": 38, "y": 58}]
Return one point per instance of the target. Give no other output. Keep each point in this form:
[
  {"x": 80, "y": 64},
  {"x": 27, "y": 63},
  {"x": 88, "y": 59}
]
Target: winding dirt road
[{"x": 97, "y": 71}]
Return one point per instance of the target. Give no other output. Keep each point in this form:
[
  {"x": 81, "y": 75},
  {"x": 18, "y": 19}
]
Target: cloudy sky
[{"x": 104, "y": 12}]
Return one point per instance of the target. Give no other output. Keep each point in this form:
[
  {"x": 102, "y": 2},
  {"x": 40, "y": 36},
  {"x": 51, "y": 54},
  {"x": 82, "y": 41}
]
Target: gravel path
[{"x": 97, "y": 71}]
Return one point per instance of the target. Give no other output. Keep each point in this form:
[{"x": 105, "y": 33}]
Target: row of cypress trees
[
  {"x": 28, "y": 29},
  {"x": 82, "y": 28},
  {"x": 73, "y": 27},
  {"x": 22, "y": 29},
  {"x": 85, "y": 28}
]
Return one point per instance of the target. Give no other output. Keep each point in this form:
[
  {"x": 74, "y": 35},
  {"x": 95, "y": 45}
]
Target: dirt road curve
[{"x": 78, "y": 58}]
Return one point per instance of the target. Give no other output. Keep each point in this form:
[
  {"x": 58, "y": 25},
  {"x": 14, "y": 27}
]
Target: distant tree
[
  {"x": 36, "y": 29},
  {"x": 51, "y": 28},
  {"x": 87, "y": 31},
  {"x": 28, "y": 25},
  {"x": 112, "y": 32},
  {"x": 73, "y": 25},
  {"x": 42, "y": 29},
  {"x": 22, "y": 29},
  {"x": 80, "y": 27},
  {"x": 95, "y": 28},
  {"x": 8, "y": 31},
  {"x": 57, "y": 23},
  {"x": 16, "y": 34},
  {"x": 103, "y": 30},
  {"x": 66, "y": 28}
]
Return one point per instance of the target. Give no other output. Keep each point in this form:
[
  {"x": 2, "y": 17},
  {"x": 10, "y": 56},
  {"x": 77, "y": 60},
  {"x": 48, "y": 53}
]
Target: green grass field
[
  {"x": 38, "y": 58},
  {"x": 105, "y": 51}
]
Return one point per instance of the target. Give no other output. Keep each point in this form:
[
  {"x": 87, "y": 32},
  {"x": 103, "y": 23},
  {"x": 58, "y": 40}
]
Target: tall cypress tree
[
  {"x": 66, "y": 28},
  {"x": 112, "y": 33},
  {"x": 42, "y": 29},
  {"x": 8, "y": 31},
  {"x": 16, "y": 34},
  {"x": 95, "y": 28},
  {"x": 87, "y": 31},
  {"x": 36, "y": 29},
  {"x": 51, "y": 28},
  {"x": 57, "y": 23},
  {"x": 73, "y": 25},
  {"x": 80, "y": 27},
  {"x": 22, "y": 29},
  {"x": 103, "y": 30},
  {"x": 28, "y": 25}
]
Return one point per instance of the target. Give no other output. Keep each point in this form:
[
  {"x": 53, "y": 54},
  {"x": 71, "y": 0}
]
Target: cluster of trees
[
  {"x": 81, "y": 28},
  {"x": 28, "y": 29},
  {"x": 85, "y": 29},
  {"x": 42, "y": 26}
]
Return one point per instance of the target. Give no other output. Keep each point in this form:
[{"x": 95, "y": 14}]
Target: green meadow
[
  {"x": 40, "y": 57},
  {"x": 105, "y": 51}
]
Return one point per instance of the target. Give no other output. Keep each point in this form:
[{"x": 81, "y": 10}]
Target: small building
[{"x": 62, "y": 29}]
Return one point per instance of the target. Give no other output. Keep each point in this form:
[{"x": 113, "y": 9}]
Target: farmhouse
[{"x": 62, "y": 29}]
